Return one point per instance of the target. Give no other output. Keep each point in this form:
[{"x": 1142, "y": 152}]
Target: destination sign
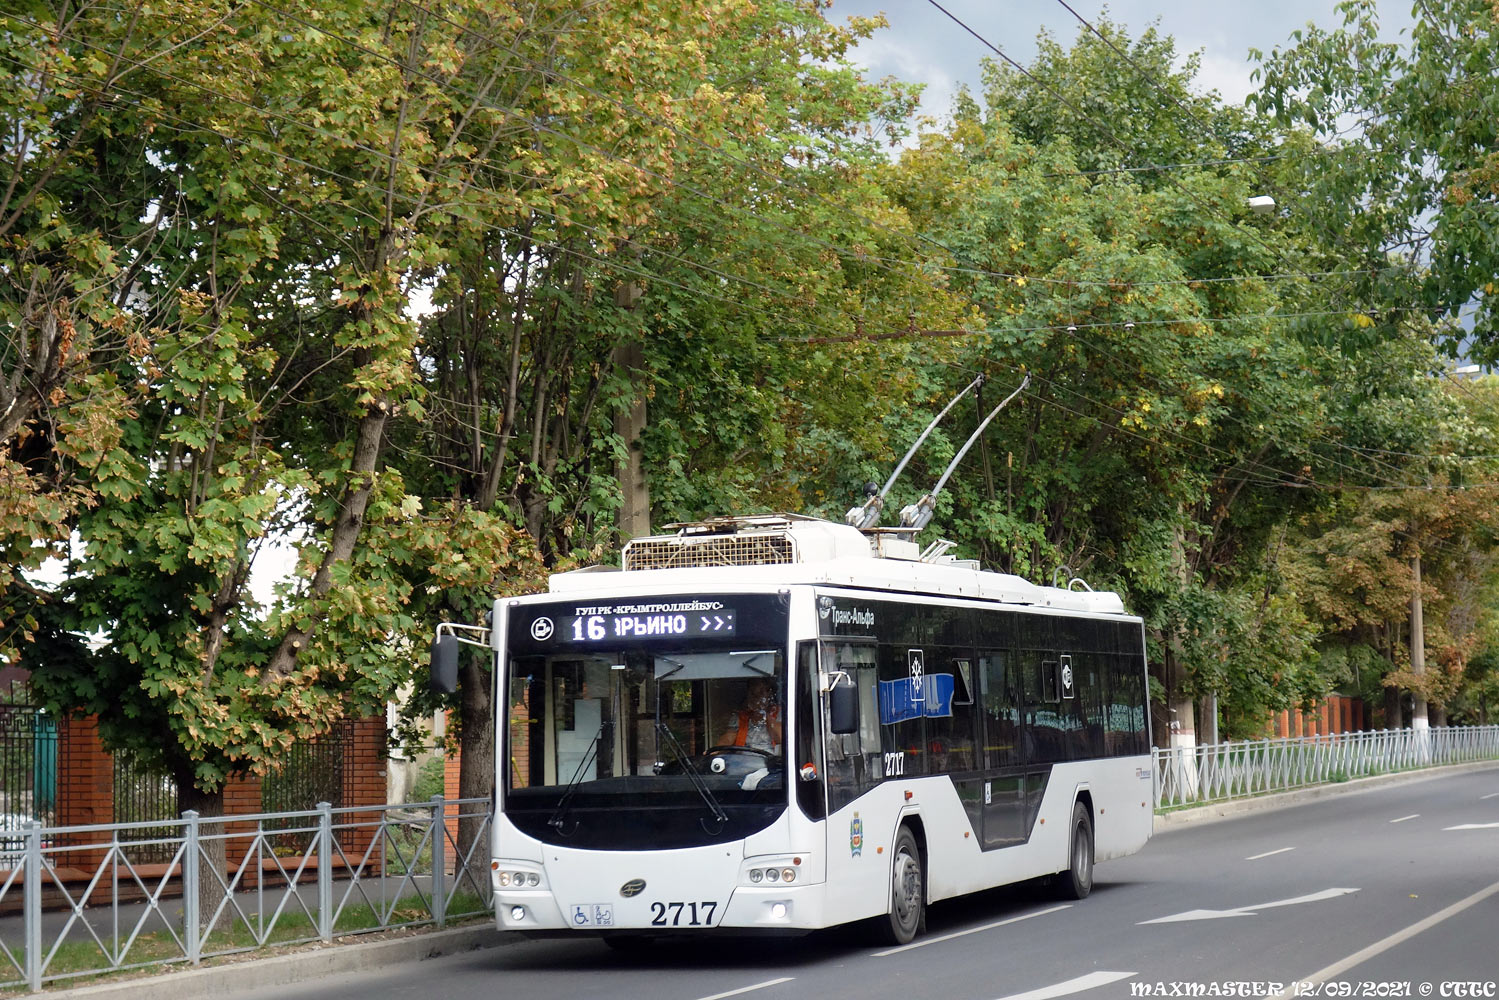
[
  {"x": 646, "y": 621},
  {"x": 615, "y": 622}
]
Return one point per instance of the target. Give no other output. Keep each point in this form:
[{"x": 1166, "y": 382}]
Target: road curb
[
  {"x": 292, "y": 967},
  {"x": 1284, "y": 800}
]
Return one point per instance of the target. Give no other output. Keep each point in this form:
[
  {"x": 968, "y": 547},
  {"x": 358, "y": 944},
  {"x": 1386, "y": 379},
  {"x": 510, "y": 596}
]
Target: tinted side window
[
  {"x": 1124, "y": 724},
  {"x": 903, "y": 707},
  {"x": 1046, "y": 735},
  {"x": 944, "y": 626},
  {"x": 1003, "y": 737},
  {"x": 1086, "y": 708},
  {"x": 951, "y": 713}
]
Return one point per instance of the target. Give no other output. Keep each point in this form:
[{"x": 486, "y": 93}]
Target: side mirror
[
  {"x": 843, "y": 708},
  {"x": 444, "y": 664}
]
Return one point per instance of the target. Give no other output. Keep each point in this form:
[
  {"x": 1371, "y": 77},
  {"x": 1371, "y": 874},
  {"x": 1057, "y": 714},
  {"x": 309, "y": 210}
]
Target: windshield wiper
[
  {"x": 751, "y": 656},
  {"x": 677, "y": 666},
  {"x": 565, "y": 804},
  {"x": 698, "y": 783}
]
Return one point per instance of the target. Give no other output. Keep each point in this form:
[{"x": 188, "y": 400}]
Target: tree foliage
[
  {"x": 215, "y": 221},
  {"x": 1407, "y": 167}
]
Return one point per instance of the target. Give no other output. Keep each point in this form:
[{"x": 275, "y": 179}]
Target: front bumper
[{"x": 748, "y": 907}]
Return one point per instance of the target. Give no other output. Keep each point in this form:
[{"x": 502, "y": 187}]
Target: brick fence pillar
[
  {"x": 450, "y": 768},
  {"x": 364, "y": 785},
  {"x": 85, "y": 794},
  {"x": 242, "y": 798}
]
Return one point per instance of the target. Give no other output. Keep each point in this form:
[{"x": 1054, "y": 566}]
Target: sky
[{"x": 923, "y": 45}]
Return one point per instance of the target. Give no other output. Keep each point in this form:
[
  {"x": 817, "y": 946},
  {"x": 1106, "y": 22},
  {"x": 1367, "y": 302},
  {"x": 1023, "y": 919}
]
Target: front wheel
[
  {"x": 1077, "y": 881},
  {"x": 907, "y": 916}
]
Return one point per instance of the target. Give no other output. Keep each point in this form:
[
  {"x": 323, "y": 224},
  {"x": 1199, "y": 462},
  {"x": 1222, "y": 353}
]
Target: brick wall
[
  {"x": 86, "y": 796},
  {"x": 1337, "y": 714}
]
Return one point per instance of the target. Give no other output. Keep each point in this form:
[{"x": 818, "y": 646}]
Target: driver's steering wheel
[{"x": 735, "y": 748}]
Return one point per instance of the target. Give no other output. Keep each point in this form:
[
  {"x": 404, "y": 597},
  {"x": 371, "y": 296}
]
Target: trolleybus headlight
[
  {"x": 533, "y": 880},
  {"x": 772, "y": 874},
  {"x": 756, "y": 875},
  {"x": 788, "y": 874},
  {"x": 502, "y": 879},
  {"x": 517, "y": 913}
]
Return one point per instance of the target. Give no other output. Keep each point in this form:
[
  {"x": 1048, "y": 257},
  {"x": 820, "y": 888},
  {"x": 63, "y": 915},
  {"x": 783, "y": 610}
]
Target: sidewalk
[{"x": 223, "y": 977}]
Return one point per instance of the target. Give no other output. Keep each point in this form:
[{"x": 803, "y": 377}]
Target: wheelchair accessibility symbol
[{"x": 593, "y": 915}]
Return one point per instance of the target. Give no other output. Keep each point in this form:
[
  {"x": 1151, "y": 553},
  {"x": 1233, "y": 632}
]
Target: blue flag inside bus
[{"x": 913, "y": 697}]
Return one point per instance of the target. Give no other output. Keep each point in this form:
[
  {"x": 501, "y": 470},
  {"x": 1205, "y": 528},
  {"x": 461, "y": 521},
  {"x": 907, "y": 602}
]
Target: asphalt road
[{"x": 1385, "y": 893}]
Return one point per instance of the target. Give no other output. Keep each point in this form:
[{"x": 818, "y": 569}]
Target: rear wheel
[
  {"x": 1077, "y": 881},
  {"x": 907, "y": 916}
]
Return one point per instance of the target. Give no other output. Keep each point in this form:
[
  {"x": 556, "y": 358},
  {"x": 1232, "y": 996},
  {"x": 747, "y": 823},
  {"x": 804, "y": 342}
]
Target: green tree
[
  {"x": 1406, "y": 167},
  {"x": 286, "y": 177},
  {"x": 675, "y": 219},
  {"x": 71, "y": 247},
  {"x": 1196, "y": 389}
]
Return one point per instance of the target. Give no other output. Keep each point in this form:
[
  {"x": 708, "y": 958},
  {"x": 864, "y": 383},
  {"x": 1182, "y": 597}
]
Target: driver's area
[{"x": 720, "y": 717}]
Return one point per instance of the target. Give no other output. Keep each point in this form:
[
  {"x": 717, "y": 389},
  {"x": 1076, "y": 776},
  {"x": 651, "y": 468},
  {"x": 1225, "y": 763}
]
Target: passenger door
[{"x": 853, "y": 760}]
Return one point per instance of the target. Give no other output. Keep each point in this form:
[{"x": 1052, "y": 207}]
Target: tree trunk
[
  {"x": 213, "y": 864},
  {"x": 1392, "y": 715},
  {"x": 1419, "y": 713},
  {"x": 629, "y": 424},
  {"x": 477, "y": 738}
]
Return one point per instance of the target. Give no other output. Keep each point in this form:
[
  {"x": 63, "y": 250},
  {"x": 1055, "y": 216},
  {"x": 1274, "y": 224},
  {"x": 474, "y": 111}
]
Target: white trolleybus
[
  {"x": 789, "y": 723},
  {"x": 784, "y": 723}
]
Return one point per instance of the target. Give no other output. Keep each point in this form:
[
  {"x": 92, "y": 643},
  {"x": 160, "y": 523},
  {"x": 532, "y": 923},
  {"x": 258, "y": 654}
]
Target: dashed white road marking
[
  {"x": 750, "y": 989},
  {"x": 1473, "y": 826},
  {"x": 972, "y": 930},
  {"x": 1402, "y": 819},
  {"x": 1488, "y": 796},
  {"x": 1256, "y": 857},
  {"x": 1078, "y": 985}
]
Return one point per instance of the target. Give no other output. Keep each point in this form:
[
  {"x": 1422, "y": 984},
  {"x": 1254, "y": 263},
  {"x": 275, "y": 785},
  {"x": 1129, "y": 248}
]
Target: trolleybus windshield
[{"x": 645, "y": 724}]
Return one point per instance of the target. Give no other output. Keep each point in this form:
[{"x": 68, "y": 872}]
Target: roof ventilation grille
[{"x": 713, "y": 544}]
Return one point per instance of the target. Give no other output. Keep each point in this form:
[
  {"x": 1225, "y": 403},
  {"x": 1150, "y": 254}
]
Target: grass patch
[{"x": 82, "y": 960}]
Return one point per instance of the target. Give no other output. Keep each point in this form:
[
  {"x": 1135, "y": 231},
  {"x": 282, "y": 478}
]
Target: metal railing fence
[
  {"x": 312, "y": 771},
  {"x": 79, "y": 900},
  {"x": 28, "y": 766},
  {"x": 144, "y": 795},
  {"x": 1186, "y": 776}
]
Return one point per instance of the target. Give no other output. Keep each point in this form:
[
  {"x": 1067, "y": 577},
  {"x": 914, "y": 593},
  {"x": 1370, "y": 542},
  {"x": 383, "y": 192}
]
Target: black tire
[
  {"x": 1077, "y": 881},
  {"x": 907, "y": 915}
]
